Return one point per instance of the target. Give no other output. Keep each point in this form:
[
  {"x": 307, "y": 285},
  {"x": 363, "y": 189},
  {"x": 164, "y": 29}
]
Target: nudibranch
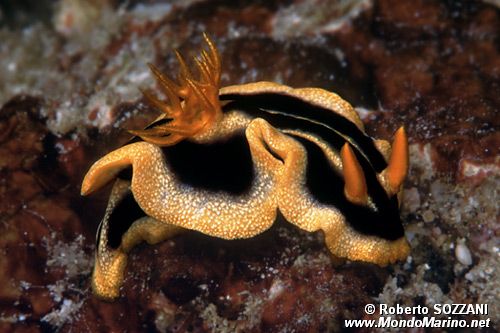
[{"x": 223, "y": 161}]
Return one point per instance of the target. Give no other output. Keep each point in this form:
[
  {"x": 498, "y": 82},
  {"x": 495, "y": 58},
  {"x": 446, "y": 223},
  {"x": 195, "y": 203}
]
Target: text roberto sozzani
[{"x": 436, "y": 316}]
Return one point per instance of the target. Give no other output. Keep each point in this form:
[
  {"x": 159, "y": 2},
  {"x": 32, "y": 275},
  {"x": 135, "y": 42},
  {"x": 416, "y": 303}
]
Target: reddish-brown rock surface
[{"x": 70, "y": 80}]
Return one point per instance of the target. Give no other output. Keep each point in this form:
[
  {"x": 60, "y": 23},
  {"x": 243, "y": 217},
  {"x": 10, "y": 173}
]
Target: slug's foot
[
  {"x": 148, "y": 229},
  {"x": 107, "y": 276},
  {"x": 358, "y": 247}
]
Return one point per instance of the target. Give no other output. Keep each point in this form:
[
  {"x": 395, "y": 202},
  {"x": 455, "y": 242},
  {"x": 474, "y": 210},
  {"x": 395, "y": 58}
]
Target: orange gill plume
[{"x": 193, "y": 103}]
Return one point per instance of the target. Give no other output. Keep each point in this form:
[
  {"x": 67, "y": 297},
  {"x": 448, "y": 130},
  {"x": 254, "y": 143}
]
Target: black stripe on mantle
[
  {"x": 384, "y": 222},
  {"x": 295, "y": 106}
]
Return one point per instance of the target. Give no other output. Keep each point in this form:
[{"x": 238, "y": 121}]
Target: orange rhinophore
[
  {"x": 398, "y": 162},
  {"x": 355, "y": 184}
]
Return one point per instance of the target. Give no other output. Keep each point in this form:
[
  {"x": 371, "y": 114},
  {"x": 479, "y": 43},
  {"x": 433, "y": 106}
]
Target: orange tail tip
[
  {"x": 397, "y": 169},
  {"x": 355, "y": 188},
  {"x": 193, "y": 104}
]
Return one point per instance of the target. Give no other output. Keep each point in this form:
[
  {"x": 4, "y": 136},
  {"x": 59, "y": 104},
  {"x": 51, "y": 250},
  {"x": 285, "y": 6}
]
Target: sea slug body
[{"x": 223, "y": 161}]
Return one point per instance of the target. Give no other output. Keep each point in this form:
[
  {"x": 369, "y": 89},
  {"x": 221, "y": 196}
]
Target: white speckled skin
[{"x": 278, "y": 184}]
